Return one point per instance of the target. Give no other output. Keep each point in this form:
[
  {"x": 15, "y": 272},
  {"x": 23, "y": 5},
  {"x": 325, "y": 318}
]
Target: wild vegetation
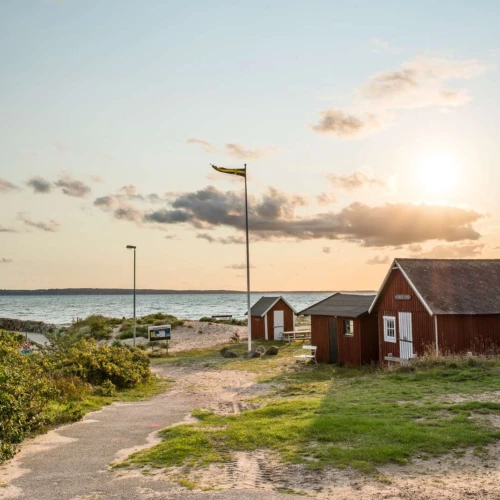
[
  {"x": 232, "y": 321},
  {"x": 324, "y": 415},
  {"x": 63, "y": 382}
]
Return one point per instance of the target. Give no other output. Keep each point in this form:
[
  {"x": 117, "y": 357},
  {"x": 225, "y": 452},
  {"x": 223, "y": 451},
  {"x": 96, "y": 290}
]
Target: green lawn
[{"x": 323, "y": 415}]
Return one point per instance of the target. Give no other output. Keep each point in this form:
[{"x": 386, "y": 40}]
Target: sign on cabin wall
[{"x": 403, "y": 296}]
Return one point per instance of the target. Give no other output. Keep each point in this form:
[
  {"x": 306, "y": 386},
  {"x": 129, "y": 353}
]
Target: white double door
[
  {"x": 279, "y": 324},
  {"x": 405, "y": 336}
]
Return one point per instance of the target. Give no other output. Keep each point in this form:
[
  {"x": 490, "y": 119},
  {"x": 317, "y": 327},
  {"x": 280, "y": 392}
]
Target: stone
[
  {"x": 230, "y": 354},
  {"x": 260, "y": 349},
  {"x": 224, "y": 350},
  {"x": 254, "y": 354},
  {"x": 272, "y": 351}
]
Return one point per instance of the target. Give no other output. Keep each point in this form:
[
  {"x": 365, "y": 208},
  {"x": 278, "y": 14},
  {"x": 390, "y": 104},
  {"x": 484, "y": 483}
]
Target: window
[
  {"x": 348, "y": 327},
  {"x": 390, "y": 329}
]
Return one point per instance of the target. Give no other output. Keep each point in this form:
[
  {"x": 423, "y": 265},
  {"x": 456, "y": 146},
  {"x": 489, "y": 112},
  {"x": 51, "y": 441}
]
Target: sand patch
[{"x": 12, "y": 469}]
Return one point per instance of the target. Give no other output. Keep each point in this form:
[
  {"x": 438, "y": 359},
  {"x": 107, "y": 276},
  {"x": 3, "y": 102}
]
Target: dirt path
[{"x": 72, "y": 462}]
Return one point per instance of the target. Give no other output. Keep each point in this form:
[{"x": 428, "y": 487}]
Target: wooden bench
[
  {"x": 307, "y": 353},
  {"x": 296, "y": 335}
]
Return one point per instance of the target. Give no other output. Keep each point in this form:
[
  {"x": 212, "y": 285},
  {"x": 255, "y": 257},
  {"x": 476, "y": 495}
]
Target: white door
[
  {"x": 405, "y": 336},
  {"x": 279, "y": 324}
]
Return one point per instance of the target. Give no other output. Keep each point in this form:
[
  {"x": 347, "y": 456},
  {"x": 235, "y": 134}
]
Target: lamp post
[{"x": 130, "y": 247}]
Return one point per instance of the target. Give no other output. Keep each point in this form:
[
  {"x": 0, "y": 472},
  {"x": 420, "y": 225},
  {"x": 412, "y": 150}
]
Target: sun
[{"x": 438, "y": 173}]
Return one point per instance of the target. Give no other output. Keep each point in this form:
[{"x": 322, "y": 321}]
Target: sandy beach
[{"x": 199, "y": 335}]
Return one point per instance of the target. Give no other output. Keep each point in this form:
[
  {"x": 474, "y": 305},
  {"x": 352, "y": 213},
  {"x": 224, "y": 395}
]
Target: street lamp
[{"x": 130, "y": 247}]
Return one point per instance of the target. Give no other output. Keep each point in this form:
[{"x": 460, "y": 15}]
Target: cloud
[
  {"x": 273, "y": 216},
  {"x": 240, "y": 152},
  {"x": 378, "y": 259},
  {"x": 327, "y": 250},
  {"x": 4, "y": 260},
  {"x": 39, "y": 185},
  {"x": 455, "y": 251},
  {"x": 129, "y": 190},
  {"x": 238, "y": 267},
  {"x": 7, "y": 187},
  {"x": 380, "y": 45},
  {"x": 354, "y": 181},
  {"x": 207, "y": 146},
  {"x": 50, "y": 227},
  {"x": 96, "y": 179},
  {"x": 72, "y": 187},
  {"x": 229, "y": 240},
  {"x": 326, "y": 199},
  {"x": 106, "y": 156},
  {"x": 345, "y": 125},
  {"x": 60, "y": 146},
  {"x": 418, "y": 83},
  {"x": 4, "y": 229}
]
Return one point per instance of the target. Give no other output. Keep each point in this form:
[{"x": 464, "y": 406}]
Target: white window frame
[
  {"x": 349, "y": 322},
  {"x": 389, "y": 338}
]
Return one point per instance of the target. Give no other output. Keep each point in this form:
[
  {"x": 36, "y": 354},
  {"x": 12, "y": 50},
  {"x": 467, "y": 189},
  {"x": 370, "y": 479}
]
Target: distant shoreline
[{"x": 128, "y": 291}]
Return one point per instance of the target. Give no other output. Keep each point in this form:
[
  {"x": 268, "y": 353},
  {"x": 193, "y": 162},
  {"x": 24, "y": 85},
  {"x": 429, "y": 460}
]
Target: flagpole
[{"x": 248, "y": 266}]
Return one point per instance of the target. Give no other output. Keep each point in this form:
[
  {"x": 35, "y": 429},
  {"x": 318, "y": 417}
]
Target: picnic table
[{"x": 296, "y": 335}]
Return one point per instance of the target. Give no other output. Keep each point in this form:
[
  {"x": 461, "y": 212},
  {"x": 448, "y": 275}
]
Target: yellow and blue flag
[{"x": 234, "y": 171}]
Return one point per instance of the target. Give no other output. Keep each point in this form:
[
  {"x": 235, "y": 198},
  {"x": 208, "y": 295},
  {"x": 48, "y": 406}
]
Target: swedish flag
[{"x": 242, "y": 172}]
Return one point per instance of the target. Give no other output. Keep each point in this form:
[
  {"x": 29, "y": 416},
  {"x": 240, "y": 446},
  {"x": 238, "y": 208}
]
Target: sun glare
[{"x": 438, "y": 173}]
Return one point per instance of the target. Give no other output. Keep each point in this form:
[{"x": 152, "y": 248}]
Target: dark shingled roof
[
  {"x": 262, "y": 305},
  {"x": 465, "y": 286},
  {"x": 341, "y": 304}
]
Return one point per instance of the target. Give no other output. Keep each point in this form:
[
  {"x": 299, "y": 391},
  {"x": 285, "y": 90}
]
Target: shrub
[
  {"x": 94, "y": 363},
  {"x": 97, "y": 327},
  {"x": 24, "y": 396}
]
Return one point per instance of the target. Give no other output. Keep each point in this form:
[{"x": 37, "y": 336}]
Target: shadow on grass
[{"x": 322, "y": 415}]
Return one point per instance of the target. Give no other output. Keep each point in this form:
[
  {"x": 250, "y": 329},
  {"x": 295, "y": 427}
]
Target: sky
[{"x": 369, "y": 130}]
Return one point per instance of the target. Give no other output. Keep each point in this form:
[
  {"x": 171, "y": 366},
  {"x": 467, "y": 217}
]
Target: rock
[
  {"x": 260, "y": 349},
  {"x": 230, "y": 354},
  {"x": 224, "y": 350},
  {"x": 272, "y": 351},
  {"x": 254, "y": 354}
]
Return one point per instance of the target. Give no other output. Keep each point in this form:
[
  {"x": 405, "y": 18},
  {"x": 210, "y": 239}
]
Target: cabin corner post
[{"x": 436, "y": 334}]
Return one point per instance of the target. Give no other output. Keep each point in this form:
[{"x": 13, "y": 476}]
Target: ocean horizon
[{"x": 63, "y": 309}]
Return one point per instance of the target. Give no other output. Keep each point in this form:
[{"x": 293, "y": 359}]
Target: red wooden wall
[
  {"x": 258, "y": 327},
  {"x": 319, "y": 337},
  {"x": 387, "y": 305},
  {"x": 461, "y": 333},
  {"x": 358, "y": 349}
]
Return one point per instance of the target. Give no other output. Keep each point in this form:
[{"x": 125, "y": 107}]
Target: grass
[{"x": 342, "y": 417}]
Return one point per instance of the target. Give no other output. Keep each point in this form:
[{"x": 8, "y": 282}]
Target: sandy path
[{"x": 72, "y": 462}]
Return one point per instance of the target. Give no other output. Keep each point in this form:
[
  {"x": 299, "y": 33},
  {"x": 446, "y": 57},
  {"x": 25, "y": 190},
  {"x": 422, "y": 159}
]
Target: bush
[
  {"x": 48, "y": 387},
  {"x": 95, "y": 364},
  {"x": 97, "y": 327},
  {"x": 232, "y": 321},
  {"x": 25, "y": 394}
]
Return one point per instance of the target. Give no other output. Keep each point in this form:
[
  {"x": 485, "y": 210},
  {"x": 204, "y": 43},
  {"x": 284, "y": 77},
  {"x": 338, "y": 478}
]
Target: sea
[{"x": 63, "y": 309}]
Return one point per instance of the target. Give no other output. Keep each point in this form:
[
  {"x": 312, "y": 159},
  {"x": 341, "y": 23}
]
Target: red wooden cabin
[
  {"x": 271, "y": 316},
  {"x": 342, "y": 329},
  {"x": 450, "y": 306}
]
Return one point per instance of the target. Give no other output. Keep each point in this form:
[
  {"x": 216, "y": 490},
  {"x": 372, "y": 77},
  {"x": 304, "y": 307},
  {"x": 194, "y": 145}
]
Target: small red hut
[
  {"x": 448, "y": 305},
  {"x": 271, "y": 316},
  {"x": 342, "y": 329}
]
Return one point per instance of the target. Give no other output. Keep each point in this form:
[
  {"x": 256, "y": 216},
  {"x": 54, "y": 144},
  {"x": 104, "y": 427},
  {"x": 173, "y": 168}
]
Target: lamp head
[{"x": 131, "y": 246}]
